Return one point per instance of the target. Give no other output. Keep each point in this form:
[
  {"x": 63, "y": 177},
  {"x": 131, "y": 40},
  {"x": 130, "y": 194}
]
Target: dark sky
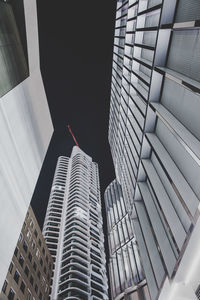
[{"x": 76, "y": 41}]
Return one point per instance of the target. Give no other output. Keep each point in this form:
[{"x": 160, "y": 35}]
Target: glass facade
[
  {"x": 124, "y": 260},
  {"x": 13, "y": 47},
  {"x": 154, "y": 127}
]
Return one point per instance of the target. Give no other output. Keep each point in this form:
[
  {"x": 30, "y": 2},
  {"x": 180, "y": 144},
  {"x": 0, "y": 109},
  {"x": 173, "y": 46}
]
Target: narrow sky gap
[{"x": 76, "y": 42}]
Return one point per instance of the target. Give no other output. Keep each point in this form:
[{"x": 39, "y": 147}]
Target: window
[
  {"x": 30, "y": 256},
  {"x": 20, "y": 237},
  {"x": 21, "y": 260},
  {"x": 31, "y": 280},
  {"x": 38, "y": 274},
  {"x": 4, "y": 286},
  {"x": 16, "y": 251},
  {"x": 36, "y": 288},
  {"x": 11, "y": 294},
  {"x": 16, "y": 276},
  {"x": 41, "y": 261},
  {"x": 40, "y": 296},
  {"x": 28, "y": 296},
  {"x": 24, "y": 225},
  {"x": 34, "y": 266},
  {"x": 25, "y": 246},
  {"x": 43, "y": 251},
  {"x": 31, "y": 223},
  {"x": 43, "y": 280},
  {"x": 22, "y": 287},
  {"x": 11, "y": 268},
  {"x": 28, "y": 235},
  {"x": 35, "y": 232},
  {"x": 37, "y": 253},
  {"x": 33, "y": 244},
  {"x": 26, "y": 271}
]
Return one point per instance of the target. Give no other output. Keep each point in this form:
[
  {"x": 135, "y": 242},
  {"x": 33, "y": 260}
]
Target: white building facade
[
  {"x": 25, "y": 121},
  {"x": 73, "y": 230},
  {"x": 154, "y": 135}
]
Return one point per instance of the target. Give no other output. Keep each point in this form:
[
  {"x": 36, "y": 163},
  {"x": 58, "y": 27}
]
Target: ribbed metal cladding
[
  {"x": 154, "y": 131},
  {"x": 79, "y": 269},
  {"x": 187, "y": 11}
]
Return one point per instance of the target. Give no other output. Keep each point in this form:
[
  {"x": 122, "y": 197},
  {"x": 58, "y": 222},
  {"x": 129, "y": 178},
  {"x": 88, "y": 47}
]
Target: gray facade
[{"x": 154, "y": 131}]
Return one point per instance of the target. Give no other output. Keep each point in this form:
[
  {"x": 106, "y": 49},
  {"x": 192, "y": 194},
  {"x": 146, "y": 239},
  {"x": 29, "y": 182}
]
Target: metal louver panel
[
  {"x": 184, "y": 55},
  {"x": 188, "y": 11}
]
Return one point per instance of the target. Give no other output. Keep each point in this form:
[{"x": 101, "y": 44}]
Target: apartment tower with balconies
[{"x": 73, "y": 230}]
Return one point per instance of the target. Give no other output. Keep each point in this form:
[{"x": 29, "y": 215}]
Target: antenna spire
[{"x": 69, "y": 128}]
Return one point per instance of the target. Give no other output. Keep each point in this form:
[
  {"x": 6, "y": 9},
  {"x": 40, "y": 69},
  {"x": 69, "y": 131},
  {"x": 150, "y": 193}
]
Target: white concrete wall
[{"x": 25, "y": 133}]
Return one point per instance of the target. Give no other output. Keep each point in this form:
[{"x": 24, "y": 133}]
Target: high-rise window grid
[
  {"x": 154, "y": 127},
  {"x": 22, "y": 279}
]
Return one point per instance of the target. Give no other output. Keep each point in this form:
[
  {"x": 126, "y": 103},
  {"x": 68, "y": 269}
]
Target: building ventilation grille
[{"x": 198, "y": 292}]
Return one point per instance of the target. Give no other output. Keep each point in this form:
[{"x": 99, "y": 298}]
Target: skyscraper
[
  {"x": 154, "y": 135},
  {"x": 25, "y": 121},
  {"x": 73, "y": 230}
]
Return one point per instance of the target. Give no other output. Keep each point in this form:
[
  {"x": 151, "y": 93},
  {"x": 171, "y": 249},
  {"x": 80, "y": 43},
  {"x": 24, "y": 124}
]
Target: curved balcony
[
  {"x": 76, "y": 228},
  {"x": 81, "y": 267},
  {"x": 76, "y": 246},
  {"x": 77, "y": 222},
  {"x": 75, "y": 268},
  {"x": 78, "y": 259},
  {"x": 76, "y": 239},
  {"x": 73, "y": 274},
  {"x": 73, "y": 252},
  {"x": 74, "y": 284},
  {"x": 76, "y": 233}
]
